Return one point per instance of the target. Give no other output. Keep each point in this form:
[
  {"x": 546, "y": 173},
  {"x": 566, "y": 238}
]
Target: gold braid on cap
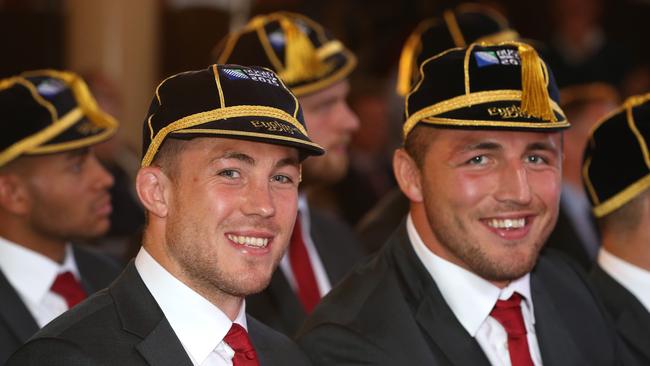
[{"x": 302, "y": 59}]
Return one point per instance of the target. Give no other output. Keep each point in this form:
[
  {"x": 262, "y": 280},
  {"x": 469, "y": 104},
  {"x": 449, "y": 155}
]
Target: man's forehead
[
  {"x": 226, "y": 148},
  {"x": 462, "y": 137}
]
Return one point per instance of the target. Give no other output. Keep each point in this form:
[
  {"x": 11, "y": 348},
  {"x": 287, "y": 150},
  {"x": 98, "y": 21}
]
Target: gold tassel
[
  {"x": 535, "y": 100},
  {"x": 301, "y": 58}
]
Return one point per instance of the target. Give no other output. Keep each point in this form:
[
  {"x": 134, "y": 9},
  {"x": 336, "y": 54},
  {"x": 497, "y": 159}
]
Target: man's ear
[
  {"x": 153, "y": 188},
  {"x": 14, "y": 194},
  {"x": 407, "y": 175}
]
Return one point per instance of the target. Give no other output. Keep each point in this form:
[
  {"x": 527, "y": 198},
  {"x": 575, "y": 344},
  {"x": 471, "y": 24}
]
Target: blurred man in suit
[
  {"x": 53, "y": 191},
  {"x": 617, "y": 177},
  {"x": 462, "y": 281},
  {"x": 219, "y": 181},
  {"x": 315, "y": 66}
]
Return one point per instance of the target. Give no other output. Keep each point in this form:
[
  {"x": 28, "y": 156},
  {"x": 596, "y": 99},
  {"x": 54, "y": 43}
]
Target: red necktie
[
  {"x": 303, "y": 272},
  {"x": 508, "y": 313},
  {"x": 238, "y": 340},
  {"x": 69, "y": 288}
]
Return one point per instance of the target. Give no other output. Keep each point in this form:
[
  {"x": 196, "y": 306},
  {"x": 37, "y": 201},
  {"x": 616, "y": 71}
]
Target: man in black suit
[
  {"x": 315, "y": 66},
  {"x": 617, "y": 178},
  {"x": 219, "y": 181},
  {"x": 53, "y": 191},
  {"x": 462, "y": 281}
]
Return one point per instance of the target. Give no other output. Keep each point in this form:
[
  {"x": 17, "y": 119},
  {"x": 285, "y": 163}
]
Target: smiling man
[
  {"x": 316, "y": 67},
  {"x": 219, "y": 181},
  {"x": 462, "y": 281},
  {"x": 53, "y": 191}
]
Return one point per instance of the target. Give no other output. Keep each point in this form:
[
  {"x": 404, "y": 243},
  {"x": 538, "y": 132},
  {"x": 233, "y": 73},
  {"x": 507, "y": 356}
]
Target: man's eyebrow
[
  {"x": 236, "y": 156},
  {"x": 287, "y": 162},
  {"x": 77, "y": 153},
  {"x": 482, "y": 145},
  {"x": 542, "y": 145}
]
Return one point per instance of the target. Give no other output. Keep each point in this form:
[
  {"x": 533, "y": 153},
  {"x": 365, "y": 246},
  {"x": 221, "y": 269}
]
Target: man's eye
[
  {"x": 536, "y": 159},
  {"x": 229, "y": 173},
  {"x": 282, "y": 179},
  {"x": 477, "y": 160}
]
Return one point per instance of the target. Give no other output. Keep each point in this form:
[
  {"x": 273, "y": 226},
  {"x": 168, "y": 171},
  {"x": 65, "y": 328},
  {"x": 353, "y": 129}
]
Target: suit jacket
[
  {"x": 631, "y": 318},
  {"x": 278, "y": 305},
  {"x": 123, "y": 325},
  {"x": 389, "y": 311},
  {"x": 17, "y": 324},
  {"x": 565, "y": 238}
]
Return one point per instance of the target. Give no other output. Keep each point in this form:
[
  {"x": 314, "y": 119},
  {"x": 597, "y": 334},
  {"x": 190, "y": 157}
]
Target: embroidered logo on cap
[
  {"x": 262, "y": 76},
  {"x": 50, "y": 88},
  {"x": 233, "y": 74},
  {"x": 498, "y": 57}
]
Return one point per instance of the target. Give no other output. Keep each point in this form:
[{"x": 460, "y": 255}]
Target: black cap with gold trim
[
  {"x": 483, "y": 86},
  {"x": 304, "y": 54},
  {"x": 48, "y": 111},
  {"x": 616, "y": 163},
  {"x": 456, "y": 27},
  {"x": 233, "y": 101}
]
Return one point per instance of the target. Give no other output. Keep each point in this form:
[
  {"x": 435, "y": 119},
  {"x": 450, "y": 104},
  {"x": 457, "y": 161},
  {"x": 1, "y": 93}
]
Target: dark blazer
[
  {"x": 123, "y": 325},
  {"x": 278, "y": 305},
  {"x": 389, "y": 311},
  {"x": 17, "y": 324},
  {"x": 631, "y": 318},
  {"x": 565, "y": 238}
]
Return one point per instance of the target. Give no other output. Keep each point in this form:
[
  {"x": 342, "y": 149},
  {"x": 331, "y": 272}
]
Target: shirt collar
[
  {"x": 199, "y": 325},
  {"x": 31, "y": 273},
  {"x": 634, "y": 279},
  {"x": 470, "y": 297}
]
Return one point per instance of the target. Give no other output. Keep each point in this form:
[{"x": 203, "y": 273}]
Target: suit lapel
[
  {"x": 14, "y": 312},
  {"x": 140, "y": 315},
  {"x": 556, "y": 345},
  {"x": 432, "y": 314},
  {"x": 634, "y": 329}
]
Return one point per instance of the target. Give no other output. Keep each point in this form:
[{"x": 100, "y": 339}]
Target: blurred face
[
  {"x": 488, "y": 200},
  {"x": 232, "y": 206},
  {"x": 330, "y": 123},
  {"x": 68, "y": 194}
]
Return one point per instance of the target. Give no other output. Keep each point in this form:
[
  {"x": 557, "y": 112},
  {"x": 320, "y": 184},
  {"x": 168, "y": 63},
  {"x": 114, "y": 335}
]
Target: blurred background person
[
  {"x": 575, "y": 232},
  {"x": 53, "y": 191},
  {"x": 315, "y": 66},
  {"x": 617, "y": 177}
]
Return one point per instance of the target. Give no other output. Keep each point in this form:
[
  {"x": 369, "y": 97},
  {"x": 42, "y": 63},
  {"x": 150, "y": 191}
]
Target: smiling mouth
[
  {"x": 249, "y": 241},
  {"x": 507, "y": 224}
]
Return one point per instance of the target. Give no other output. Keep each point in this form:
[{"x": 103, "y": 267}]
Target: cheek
[
  {"x": 469, "y": 189},
  {"x": 547, "y": 186}
]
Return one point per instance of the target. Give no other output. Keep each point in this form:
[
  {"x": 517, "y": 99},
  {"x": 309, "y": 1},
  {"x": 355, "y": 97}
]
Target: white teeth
[
  {"x": 507, "y": 223},
  {"x": 249, "y": 241}
]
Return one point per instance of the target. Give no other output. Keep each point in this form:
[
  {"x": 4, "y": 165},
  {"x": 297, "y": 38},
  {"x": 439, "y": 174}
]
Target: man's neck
[
  {"x": 633, "y": 248},
  {"x": 49, "y": 247}
]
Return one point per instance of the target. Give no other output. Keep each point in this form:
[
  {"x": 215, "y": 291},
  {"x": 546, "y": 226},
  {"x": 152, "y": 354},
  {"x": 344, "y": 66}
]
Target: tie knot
[
  {"x": 69, "y": 288},
  {"x": 508, "y": 313},
  {"x": 237, "y": 338}
]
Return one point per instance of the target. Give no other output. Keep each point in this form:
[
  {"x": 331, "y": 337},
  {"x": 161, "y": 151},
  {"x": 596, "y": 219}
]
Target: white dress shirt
[
  {"x": 472, "y": 298},
  {"x": 32, "y": 274},
  {"x": 199, "y": 325},
  {"x": 634, "y": 279},
  {"x": 322, "y": 280}
]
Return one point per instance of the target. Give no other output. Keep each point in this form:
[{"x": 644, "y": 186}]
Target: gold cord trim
[
  {"x": 622, "y": 197},
  {"x": 468, "y": 100},
  {"x": 217, "y": 81},
  {"x": 587, "y": 179},
  {"x": 214, "y": 115},
  {"x": 454, "y": 28},
  {"x": 642, "y": 143},
  {"x": 71, "y": 145},
  {"x": 249, "y": 134}
]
